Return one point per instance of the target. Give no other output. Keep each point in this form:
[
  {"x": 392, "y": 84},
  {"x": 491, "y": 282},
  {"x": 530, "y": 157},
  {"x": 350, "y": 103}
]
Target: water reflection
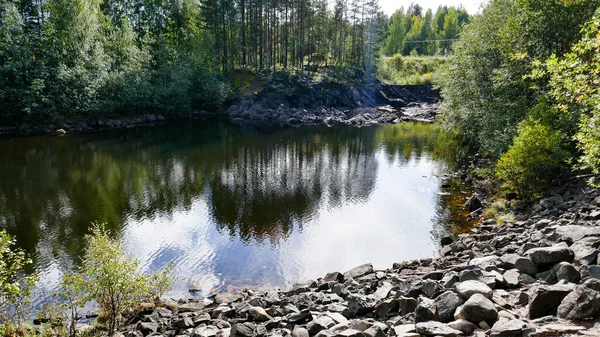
[{"x": 232, "y": 207}]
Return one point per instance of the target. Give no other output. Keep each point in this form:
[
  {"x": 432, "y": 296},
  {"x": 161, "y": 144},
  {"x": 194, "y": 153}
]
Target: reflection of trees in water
[{"x": 257, "y": 185}]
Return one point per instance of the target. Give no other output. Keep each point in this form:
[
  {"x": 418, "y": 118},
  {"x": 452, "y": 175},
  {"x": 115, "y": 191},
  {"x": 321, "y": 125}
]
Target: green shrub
[
  {"x": 535, "y": 159},
  {"x": 15, "y": 287},
  {"x": 409, "y": 70},
  {"x": 111, "y": 278}
]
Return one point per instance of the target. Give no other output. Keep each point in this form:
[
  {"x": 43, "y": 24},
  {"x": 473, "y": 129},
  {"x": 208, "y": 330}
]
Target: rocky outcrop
[
  {"x": 522, "y": 278},
  {"x": 292, "y": 103}
]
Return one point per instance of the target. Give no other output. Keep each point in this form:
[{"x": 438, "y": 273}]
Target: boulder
[
  {"x": 476, "y": 309},
  {"x": 566, "y": 271},
  {"x": 594, "y": 271},
  {"x": 259, "y": 314},
  {"x": 465, "y": 326},
  {"x": 521, "y": 263},
  {"x": 147, "y": 328},
  {"x": 243, "y": 329},
  {"x": 544, "y": 299},
  {"x": 211, "y": 331},
  {"x": 586, "y": 250},
  {"x": 359, "y": 271},
  {"x": 473, "y": 204},
  {"x": 469, "y": 288},
  {"x": 436, "y": 329},
  {"x": 426, "y": 311},
  {"x": 446, "y": 305},
  {"x": 508, "y": 328},
  {"x": 551, "y": 255},
  {"x": 511, "y": 278},
  {"x": 582, "y": 303}
]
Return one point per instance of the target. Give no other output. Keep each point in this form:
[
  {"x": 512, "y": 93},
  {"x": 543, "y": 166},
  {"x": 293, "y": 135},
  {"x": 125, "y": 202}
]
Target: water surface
[{"x": 233, "y": 206}]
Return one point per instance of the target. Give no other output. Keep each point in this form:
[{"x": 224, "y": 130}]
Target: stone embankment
[
  {"x": 332, "y": 104},
  {"x": 535, "y": 277},
  {"x": 98, "y": 125}
]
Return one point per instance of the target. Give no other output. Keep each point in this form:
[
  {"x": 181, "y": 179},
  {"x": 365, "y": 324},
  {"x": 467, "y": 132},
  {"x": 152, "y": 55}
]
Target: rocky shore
[
  {"x": 539, "y": 276},
  {"x": 333, "y": 104}
]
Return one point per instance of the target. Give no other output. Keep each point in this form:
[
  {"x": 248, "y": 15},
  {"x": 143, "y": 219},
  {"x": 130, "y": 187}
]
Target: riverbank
[
  {"x": 534, "y": 277},
  {"x": 356, "y": 104}
]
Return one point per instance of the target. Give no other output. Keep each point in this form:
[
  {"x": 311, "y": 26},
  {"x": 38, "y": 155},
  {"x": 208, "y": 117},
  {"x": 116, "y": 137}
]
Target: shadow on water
[{"x": 233, "y": 206}]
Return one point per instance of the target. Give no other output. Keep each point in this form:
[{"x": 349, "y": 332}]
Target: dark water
[{"x": 233, "y": 207}]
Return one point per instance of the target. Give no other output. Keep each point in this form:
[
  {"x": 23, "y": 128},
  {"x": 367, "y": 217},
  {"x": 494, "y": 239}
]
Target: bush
[
  {"x": 15, "y": 287},
  {"x": 535, "y": 159},
  {"x": 113, "y": 279},
  {"x": 409, "y": 70}
]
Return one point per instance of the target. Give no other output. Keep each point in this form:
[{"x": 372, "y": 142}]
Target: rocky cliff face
[
  {"x": 358, "y": 104},
  {"x": 535, "y": 277}
]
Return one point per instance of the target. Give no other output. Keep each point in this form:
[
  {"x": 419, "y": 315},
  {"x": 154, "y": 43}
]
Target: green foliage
[
  {"x": 486, "y": 88},
  {"x": 111, "y": 278},
  {"x": 411, "y": 33},
  {"x": 408, "y": 69},
  {"x": 15, "y": 286},
  {"x": 575, "y": 85},
  {"x": 534, "y": 160}
]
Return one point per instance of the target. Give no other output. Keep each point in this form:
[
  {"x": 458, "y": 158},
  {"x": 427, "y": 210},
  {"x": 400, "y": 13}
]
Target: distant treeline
[{"x": 416, "y": 33}]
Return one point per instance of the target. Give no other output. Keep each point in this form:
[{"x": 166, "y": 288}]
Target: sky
[{"x": 390, "y": 6}]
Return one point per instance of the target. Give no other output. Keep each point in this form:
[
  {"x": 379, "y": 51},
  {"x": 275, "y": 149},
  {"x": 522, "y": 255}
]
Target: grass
[{"x": 408, "y": 70}]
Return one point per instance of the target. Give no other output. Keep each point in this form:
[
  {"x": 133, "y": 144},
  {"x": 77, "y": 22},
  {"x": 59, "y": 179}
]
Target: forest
[
  {"x": 522, "y": 88},
  {"x": 67, "y": 61}
]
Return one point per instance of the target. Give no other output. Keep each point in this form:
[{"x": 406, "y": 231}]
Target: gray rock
[
  {"x": 259, "y": 314},
  {"x": 320, "y": 324},
  {"x": 446, "y": 305},
  {"x": 300, "y": 317},
  {"x": 473, "y": 204},
  {"x": 577, "y": 232},
  {"x": 359, "y": 271},
  {"x": 337, "y": 317},
  {"x": 385, "y": 307},
  {"x": 594, "y": 271},
  {"x": 521, "y": 263},
  {"x": 133, "y": 333},
  {"x": 436, "y": 329},
  {"x": 400, "y": 330},
  {"x": 211, "y": 331},
  {"x": 383, "y": 291},
  {"x": 582, "y": 303},
  {"x": 511, "y": 278},
  {"x": 147, "y": 328},
  {"x": 350, "y": 333},
  {"x": 300, "y": 332},
  {"x": 374, "y": 331},
  {"x": 585, "y": 250},
  {"x": 551, "y": 255},
  {"x": 335, "y": 276},
  {"x": 243, "y": 329},
  {"x": 544, "y": 299},
  {"x": 476, "y": 309},
  {"x": 183, "y": 323},
  {"x": 484, "y": 262},
  {"x": 469, "y": 288},
  {"x": 508, "y": 328},
  {"x": 360, "y": 304},
  {"x": 566, "y": 271},
  {"x": 426, "y": 311},
  {"x": 463, "y": 325},
  {"x": 547, "y": 276},
  {"x": 407, "y": 305}
]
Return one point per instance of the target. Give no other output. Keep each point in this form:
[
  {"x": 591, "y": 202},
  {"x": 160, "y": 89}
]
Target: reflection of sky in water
[
  {"x": 230, "y": 207},
  {"x": 392, "y": 224}
]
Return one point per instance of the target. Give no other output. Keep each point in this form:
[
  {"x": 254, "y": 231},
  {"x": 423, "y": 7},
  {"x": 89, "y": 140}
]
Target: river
[{"x": 234, "y": 206}]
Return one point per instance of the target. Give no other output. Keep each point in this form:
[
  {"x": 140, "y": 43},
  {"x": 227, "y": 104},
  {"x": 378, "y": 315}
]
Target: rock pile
[
  {"x": 367, "y": 104},
  {"x": 536, "y": 277}
]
